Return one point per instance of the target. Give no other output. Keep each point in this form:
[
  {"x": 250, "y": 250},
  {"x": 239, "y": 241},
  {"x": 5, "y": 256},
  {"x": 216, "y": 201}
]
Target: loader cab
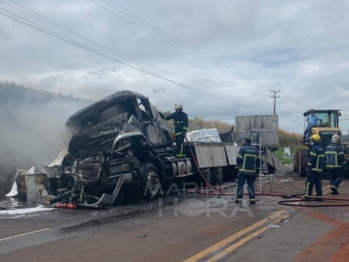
[
  {"x": 329, "y": 125},
  {"x": 330, "y": 118}
]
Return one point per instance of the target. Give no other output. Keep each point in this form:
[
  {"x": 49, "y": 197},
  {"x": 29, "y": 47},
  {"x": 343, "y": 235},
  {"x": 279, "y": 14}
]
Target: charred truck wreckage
[
  {"x": 119, "y": 140},
  {"x": 121, "y": 143}
]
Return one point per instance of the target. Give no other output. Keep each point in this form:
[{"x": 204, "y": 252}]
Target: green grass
[{"x": 280, "y": 154}]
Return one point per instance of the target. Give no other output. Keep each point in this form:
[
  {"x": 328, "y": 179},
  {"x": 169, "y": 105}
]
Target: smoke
[{"x": 30, "y": 132}]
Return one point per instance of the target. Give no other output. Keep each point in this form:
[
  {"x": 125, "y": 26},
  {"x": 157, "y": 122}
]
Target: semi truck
[
  {"x": 121, "y": 143},
  {"x": 120, "y": 147}
]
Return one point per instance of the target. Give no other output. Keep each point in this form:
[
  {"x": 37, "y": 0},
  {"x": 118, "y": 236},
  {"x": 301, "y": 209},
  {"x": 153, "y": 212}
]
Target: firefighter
[
  {"x": 335, "y": 162},
  {"x": 314, "y": 168},
  {"x": 249, "y": 164},
  {"x": 180, "y": 120}
]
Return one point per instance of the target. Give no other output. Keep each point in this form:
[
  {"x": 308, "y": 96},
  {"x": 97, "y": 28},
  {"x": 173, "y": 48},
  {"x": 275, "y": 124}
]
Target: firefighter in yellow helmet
[{"x": 314, "y": 168}]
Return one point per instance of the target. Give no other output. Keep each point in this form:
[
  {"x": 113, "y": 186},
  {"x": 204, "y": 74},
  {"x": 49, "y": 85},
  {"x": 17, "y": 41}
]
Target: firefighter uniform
[
  {"x": 335, "y": 164},
  {"x": 249, "y": 164},
  {"x": 315, "y": 168},
  {"x": 180, "y": 121}
]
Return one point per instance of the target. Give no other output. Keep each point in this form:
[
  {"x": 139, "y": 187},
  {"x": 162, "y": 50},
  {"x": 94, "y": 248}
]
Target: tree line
[{"x": 13, "y": 94}]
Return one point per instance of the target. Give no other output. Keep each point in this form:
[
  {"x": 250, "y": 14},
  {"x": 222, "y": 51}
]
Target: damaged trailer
[{"x": 121, "y": 144}]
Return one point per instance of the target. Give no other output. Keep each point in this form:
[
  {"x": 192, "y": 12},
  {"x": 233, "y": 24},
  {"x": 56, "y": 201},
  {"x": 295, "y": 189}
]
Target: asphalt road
[{"x": 186, "y": 228}]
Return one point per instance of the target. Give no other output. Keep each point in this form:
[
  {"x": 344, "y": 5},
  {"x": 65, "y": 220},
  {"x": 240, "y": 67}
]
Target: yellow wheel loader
[{"x": 329, "y": 125}]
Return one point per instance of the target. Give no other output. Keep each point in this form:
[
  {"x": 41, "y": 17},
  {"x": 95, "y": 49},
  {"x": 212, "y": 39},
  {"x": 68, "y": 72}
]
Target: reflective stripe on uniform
[
  {"x": 335, "y": 155},
  {"x": 312, "y": 153},
  {"x": 317, "y": 163},
  {"x": 307, "y": 189},
  {"x": 243, "y": 169}
]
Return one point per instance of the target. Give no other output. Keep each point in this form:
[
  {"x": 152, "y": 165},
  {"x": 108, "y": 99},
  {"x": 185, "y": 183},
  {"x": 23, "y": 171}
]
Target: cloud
[{"x": 234, "y": 51}]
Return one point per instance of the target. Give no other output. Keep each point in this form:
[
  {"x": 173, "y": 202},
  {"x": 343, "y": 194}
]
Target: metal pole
[
  {"x": 260, "y": 163},
  {"x": 274, "y": 96}
]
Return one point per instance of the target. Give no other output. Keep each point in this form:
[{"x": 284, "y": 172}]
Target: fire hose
[{"x": 220, "y": 191}]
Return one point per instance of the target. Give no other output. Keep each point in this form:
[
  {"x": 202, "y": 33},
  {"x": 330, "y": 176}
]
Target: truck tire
[
  {"x": 150, "y": 181},
  {"x": 218, "y": 175},
  {"x": 207, "y": 173}
]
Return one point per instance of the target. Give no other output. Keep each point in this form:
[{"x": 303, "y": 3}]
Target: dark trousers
[
  {"x": 336, "y": 175},
  {"x": 249, "y": 179},
  {"x": 180, "y": 146},
  {"x": 307, "y": 131},
  {"x": 313, "y": 178}
]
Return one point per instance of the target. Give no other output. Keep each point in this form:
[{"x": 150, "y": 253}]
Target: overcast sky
[{"x": 233, "y": 53}]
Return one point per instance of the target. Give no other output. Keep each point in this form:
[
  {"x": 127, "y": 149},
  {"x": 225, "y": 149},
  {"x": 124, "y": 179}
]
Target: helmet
[
  {"x": 335, "y": 139},
  {"x": 178, "y": 106},
  {"x": 315, "y": 138}
]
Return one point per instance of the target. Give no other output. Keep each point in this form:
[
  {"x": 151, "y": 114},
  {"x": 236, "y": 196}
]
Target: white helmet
[
  {"x": 178, "y": 106},
  {"x": 335, "y": 139}
]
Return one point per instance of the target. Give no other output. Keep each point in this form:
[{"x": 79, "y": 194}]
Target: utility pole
[{"x": 274, "y": 96}]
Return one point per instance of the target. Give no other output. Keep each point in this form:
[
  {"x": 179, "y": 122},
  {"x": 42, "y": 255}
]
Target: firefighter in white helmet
[
  {"x": 180, "y": 121},
  {"x": 335, "y": 162}
]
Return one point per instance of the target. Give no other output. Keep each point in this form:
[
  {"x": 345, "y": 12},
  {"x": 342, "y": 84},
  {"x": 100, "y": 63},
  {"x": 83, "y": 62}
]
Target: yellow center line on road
[
  {"x": 243, "y": 241},
  {"x": 233, "y": 237},
  {"x": 239, "y": 234},
  {"x": 327, "y": 190},
  {"x": 326, "y": 187},
  {"x": 24, "y": 234}
]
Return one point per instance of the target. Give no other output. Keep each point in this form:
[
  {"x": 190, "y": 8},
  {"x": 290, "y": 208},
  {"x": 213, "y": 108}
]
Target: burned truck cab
[
  {"x": 95, "y": 127},
  {"x": 120, "y": 139}
]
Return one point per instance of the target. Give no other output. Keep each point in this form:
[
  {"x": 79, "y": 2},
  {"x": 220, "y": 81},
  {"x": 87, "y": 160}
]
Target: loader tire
[
  {"x": 302, "y": 160},
  {"x": 295, "y": 163}
]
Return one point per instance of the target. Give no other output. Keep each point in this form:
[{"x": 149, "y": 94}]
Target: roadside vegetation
[{"x": 291, "y": 140}]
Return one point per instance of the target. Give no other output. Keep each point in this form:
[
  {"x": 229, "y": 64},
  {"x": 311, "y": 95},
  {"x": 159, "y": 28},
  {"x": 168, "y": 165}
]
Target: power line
[
  {"x": 49, "y": 32},
  {"x": 175, "y": 42},
  {"x": 42, "y": 18},
  {"x": 282, "y": 115}
]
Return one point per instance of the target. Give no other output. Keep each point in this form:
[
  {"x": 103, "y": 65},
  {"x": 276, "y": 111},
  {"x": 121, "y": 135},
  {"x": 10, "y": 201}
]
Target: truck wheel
[
  {"x": 218, "y": 175},
  {"x": 150, "y": 181},
  {"x": 207, "y": 173}
]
